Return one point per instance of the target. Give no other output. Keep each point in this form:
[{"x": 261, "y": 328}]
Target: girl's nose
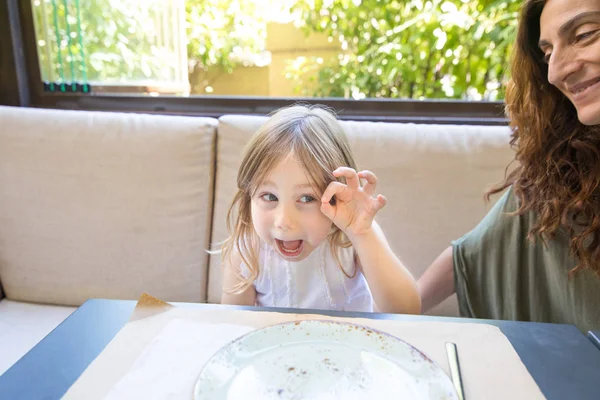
[{"x": 284, "y": 218}]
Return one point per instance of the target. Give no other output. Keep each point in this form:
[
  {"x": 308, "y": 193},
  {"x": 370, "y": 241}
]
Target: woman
[{"x": 536, "y": 255}]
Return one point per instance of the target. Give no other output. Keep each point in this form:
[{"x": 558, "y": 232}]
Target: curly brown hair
[{"x": 558, "y": 158}]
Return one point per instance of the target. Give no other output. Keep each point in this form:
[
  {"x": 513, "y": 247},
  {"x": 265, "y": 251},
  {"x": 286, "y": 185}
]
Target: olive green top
[{"x": 500, "y": 274}]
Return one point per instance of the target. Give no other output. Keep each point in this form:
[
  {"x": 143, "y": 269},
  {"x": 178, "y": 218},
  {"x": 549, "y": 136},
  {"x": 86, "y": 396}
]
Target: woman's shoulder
[{"x": 500, "y": 223}]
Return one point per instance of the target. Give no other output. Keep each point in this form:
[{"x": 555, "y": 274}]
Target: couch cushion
[
  {"x": 23, "y": 325},
  {"x": 433, "y": 176},
  {"x": 105, "y": 205}
]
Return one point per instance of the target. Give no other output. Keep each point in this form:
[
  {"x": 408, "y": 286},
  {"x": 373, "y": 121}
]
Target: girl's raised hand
[{"x": 355, "y": 206}]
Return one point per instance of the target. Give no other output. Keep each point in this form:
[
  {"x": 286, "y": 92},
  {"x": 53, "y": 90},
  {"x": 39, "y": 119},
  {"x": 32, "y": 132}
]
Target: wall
[{"x": 287, "y": 44}]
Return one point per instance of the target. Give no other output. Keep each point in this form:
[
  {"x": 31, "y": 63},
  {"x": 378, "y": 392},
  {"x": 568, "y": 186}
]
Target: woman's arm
[
  {"x": 230, "y": 279},
  {"x": 394, "y": 288},
  {"x": 437, "y": 283}
]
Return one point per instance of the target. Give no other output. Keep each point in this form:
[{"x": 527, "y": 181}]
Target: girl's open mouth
[{"x": 291, "y": 248}]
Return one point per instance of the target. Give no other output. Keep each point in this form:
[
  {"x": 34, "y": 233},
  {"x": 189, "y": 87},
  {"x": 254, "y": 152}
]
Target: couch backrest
[
  {"x": 104, "y": 205},
  {"x": 433, "y": 176}
]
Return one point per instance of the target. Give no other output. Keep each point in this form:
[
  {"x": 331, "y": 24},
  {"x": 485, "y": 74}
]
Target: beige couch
[{"x": 107, "y": 205}]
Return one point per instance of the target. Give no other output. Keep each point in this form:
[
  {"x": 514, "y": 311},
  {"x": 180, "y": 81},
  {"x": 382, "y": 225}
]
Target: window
[
  {"x": 353, "y": 49},
  {"x": 435, "y": 61},
  {"x": 116, "y": 45}
]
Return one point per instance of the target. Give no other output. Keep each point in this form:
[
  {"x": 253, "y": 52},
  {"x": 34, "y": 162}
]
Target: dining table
[{"x": 563, "y": 361}]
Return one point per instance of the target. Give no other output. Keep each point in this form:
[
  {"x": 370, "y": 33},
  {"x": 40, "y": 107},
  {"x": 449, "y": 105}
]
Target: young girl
[{"x": 301, "y": 224}]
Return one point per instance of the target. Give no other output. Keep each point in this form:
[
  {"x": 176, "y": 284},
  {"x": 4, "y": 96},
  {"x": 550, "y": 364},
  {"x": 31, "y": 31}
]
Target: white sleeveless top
[{"x": 315, "y": 282}]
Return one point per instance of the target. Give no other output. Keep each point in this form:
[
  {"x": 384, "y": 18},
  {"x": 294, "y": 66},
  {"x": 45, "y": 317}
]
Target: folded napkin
[{"x": 169, "y": 366}]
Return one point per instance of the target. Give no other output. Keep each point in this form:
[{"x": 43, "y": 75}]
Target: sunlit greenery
[
  {"x": 120, "y": 41},
  {"x": 388, "y": 48},
  {"x": 135, "y": 41},
  {"x": 411, "y": 49}
]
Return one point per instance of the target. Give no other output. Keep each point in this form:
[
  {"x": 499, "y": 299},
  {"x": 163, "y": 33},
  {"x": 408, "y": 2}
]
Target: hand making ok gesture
[{"x": 355, "y": 206}]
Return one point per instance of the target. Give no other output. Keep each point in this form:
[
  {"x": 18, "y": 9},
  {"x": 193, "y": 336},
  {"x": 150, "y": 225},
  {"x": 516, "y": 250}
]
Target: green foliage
[
  {"x": 389, "y": 48},
  {"x": 132, "y": 42},
  {"x": 410, "y": 49},
  {"x": 225, "y": 34},
  {"x": 122, "y": 41}
]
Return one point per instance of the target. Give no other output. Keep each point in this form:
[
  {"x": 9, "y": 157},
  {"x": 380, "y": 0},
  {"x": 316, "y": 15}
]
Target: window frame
[{"x": 19, "y": 19}]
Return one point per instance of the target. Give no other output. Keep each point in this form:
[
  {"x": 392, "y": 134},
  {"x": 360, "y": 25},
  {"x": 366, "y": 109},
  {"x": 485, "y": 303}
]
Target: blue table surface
[{"x": 560, "y": 358}]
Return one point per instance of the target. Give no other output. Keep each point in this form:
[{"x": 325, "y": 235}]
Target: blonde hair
[{"x": 315, "y": 137}]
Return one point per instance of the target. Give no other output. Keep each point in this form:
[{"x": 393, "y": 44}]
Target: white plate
[{"x": 321, "y": 360}]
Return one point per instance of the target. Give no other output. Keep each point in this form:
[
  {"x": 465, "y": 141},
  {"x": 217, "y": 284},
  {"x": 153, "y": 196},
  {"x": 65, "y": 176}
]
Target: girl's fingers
[
  {"x": 328, "y": 210},
  {"x": 350, "y": 175},
  {"x": 381, "y": 202},
  {"x": 332, "y": 189},
  {"x": 371, "y": 179}
]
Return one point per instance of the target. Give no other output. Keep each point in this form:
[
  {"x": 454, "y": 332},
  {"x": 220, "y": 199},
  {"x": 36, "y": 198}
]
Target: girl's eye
[
  {"x": 268, "y": 197},
  {"x": 307, "y": 199}
]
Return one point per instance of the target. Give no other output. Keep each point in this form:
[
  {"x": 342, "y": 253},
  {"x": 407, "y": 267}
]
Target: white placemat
[{"x": 137, "y": 355}]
